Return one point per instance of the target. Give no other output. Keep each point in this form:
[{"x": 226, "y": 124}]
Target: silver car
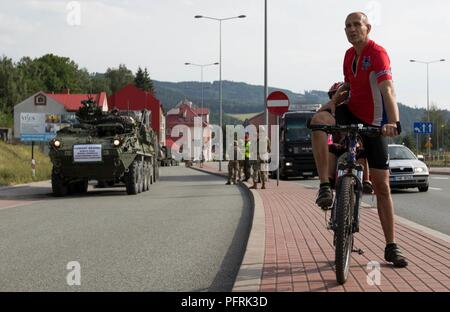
[{"x": 406, "y": 170}]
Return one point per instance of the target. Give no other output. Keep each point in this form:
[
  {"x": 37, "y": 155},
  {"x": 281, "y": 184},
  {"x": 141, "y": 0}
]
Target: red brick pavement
[{"x": 299, "y": 254}]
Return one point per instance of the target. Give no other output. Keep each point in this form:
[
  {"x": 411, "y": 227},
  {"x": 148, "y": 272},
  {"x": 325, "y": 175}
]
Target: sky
[{"x": 306, "y": 39}]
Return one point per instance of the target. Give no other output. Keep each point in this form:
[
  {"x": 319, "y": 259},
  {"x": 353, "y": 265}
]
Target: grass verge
[{"x": 15, "y": 164}]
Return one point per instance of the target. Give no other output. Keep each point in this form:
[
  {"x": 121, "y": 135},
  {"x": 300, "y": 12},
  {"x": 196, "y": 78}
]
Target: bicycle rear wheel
[{"x": 345, "y": 201}]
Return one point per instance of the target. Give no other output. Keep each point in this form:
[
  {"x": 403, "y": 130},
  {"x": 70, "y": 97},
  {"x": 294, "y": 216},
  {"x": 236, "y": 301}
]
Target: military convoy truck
[
  {"x": 165, "y": 157},
  {"x": 296, "y": 156},
  {"x": 110, "y": 147}
]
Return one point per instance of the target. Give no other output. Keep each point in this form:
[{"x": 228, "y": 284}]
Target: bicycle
[{"x": 344, "y": 219}]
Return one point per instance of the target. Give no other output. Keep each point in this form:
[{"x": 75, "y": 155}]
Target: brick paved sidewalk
[{"x": 293, "y": 251}]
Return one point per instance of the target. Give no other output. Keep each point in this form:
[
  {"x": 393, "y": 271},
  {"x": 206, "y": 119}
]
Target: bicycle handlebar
[{"x": 356, "y": 128}]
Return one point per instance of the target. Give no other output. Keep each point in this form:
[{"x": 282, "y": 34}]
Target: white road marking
[
  {"x": 439, "y": 178},
  {"x": 435, "y": 188}
]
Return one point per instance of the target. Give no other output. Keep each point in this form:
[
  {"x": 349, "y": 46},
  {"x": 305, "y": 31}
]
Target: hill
[
  {"x": 241, "y": 98},
  {"x": 238, "y": 97}
]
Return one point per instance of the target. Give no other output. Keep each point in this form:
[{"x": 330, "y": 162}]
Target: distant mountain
[{"x": 243, "y": 98}]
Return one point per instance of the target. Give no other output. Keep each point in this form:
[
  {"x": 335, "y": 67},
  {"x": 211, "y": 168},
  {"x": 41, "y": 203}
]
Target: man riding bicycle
[
  {"x": 337, "y": 148},
  {"x": 371, "y": 101}
]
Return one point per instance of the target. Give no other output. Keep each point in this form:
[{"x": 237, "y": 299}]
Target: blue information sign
[
  {"x": 423, "y": 127},
  {"x": 37, "y": 137}
]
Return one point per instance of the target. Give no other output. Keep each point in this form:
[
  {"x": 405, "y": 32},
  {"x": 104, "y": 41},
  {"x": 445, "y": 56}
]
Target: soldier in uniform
[
  {"x": 233, "y": 165},
  {"x": 241, "y": 161},
  {"x": 259, "y": 169},
  {"x": 247, "y": 157}
]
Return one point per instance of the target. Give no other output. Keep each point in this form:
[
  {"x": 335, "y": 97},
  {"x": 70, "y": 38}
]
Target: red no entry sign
[{"x": 277, "y": 103}]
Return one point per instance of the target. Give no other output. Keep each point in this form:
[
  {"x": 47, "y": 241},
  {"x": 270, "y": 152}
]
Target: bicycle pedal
[{"x": 358, "y": 250}]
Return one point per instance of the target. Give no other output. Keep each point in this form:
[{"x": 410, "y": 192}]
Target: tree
[
  {"x": 119, "y": 77},
  {"x": 143, "y": 81},
  {"x": 408, "y": 141},
  {"x": 139, "y": 80},
  {"x": 11, "y": 82},
  {"x": 438, "y": 118},
  {"x": 148, "y": 82},
  {"x": 100, "y": 83}
]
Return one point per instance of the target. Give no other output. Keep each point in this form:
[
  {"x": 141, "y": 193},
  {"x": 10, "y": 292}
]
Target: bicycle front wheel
[{"x": 345, "y": 200}]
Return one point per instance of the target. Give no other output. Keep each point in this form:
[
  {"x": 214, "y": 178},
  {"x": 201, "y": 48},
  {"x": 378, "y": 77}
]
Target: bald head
[
  {"x": 362, "y": 16},
  {"x": 357, "y": 28}
]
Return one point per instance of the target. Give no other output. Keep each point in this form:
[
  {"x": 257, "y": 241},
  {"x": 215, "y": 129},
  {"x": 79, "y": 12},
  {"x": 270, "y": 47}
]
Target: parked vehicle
[{"x": 406, "y": 170}]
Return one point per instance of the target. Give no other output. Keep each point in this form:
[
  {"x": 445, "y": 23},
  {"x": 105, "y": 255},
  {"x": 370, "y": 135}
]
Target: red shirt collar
[{"x": 369, "y": 44}]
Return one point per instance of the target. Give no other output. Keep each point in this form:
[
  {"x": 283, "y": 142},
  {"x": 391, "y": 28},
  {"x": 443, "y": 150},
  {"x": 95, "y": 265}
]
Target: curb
[
  {"x": 424, "y": 229},
  {"x": 250, "y": 273},
  {"x": 249, "y": 276},
  {"x": 7, "y": 187},
  {"x": 439, "y": 172}
]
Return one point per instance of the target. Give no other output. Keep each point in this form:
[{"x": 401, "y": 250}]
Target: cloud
[
  {"x": 306, "y": 39},
  {"x": 48, "y": 6}
]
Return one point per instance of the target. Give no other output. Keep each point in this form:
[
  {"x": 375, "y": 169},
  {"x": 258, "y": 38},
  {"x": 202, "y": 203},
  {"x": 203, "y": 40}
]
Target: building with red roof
[
  {"x": 132, "y": 98},
  {"x": 72, "y": 102},
  {"x": 52, "y": 106},
  {"x": 184, "y": 114}
]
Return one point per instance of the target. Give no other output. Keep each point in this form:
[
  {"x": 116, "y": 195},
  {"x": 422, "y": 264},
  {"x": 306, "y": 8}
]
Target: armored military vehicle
[
  {"x": 110, "y": 147},
  {"x": 165, "y": 157}
]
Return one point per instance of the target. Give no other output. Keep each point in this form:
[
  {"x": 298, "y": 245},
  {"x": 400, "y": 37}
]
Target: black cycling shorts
[{"x": 375, "y": 148}]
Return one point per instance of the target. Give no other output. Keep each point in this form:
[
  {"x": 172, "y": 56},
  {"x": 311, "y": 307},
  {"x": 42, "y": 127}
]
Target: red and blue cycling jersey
[{"x": 372, "y": 67}]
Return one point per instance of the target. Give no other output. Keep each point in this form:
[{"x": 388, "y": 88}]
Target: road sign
[
  {"x": 277, "y": 103},
  {"x": 423, "y": 127}
]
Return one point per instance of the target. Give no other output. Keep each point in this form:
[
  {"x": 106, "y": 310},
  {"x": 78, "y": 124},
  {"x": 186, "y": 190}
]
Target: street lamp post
[
  {"x": 201, "y": 83},
  {"x": 220, "y": 65},
  {"x": 428, "y": 92},
  {"x": 266, "y": 88},
  {"x": 201, "y": 76},
  {"x": 437, "y": 139}
]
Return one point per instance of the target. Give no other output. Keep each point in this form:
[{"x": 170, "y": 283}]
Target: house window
[{"x": 40, "y": 99}]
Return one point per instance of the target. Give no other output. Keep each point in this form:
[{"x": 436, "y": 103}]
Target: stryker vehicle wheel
[
  {"x": 141, "y": 177},
  {"x": 82, "y": 186},
  {"x": 132, "y": 178},
  {"x": 59, "y": 189},
  {"x": 151, "y": 172},
  {"x": 145, "y": 177},
  {"x": 149, "y": 175},
  {"x": 155, "y": 172}
]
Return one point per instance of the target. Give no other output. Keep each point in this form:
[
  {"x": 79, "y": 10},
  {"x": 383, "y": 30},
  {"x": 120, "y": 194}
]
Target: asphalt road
[
  {"x": 188, "y": 233},
  {"x": 430, "y": 209}
]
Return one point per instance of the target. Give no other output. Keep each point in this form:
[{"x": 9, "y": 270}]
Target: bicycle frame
[
  {"x": 349, "y": 180},
  {"x": 353, "y": 169}
]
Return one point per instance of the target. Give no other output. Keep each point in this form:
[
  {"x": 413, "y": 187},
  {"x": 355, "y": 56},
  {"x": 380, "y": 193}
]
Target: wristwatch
[{"x": 399, "y": 127}]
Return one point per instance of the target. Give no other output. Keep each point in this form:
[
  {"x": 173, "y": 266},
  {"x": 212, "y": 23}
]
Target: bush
[{"x": 6, "y": 120}]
